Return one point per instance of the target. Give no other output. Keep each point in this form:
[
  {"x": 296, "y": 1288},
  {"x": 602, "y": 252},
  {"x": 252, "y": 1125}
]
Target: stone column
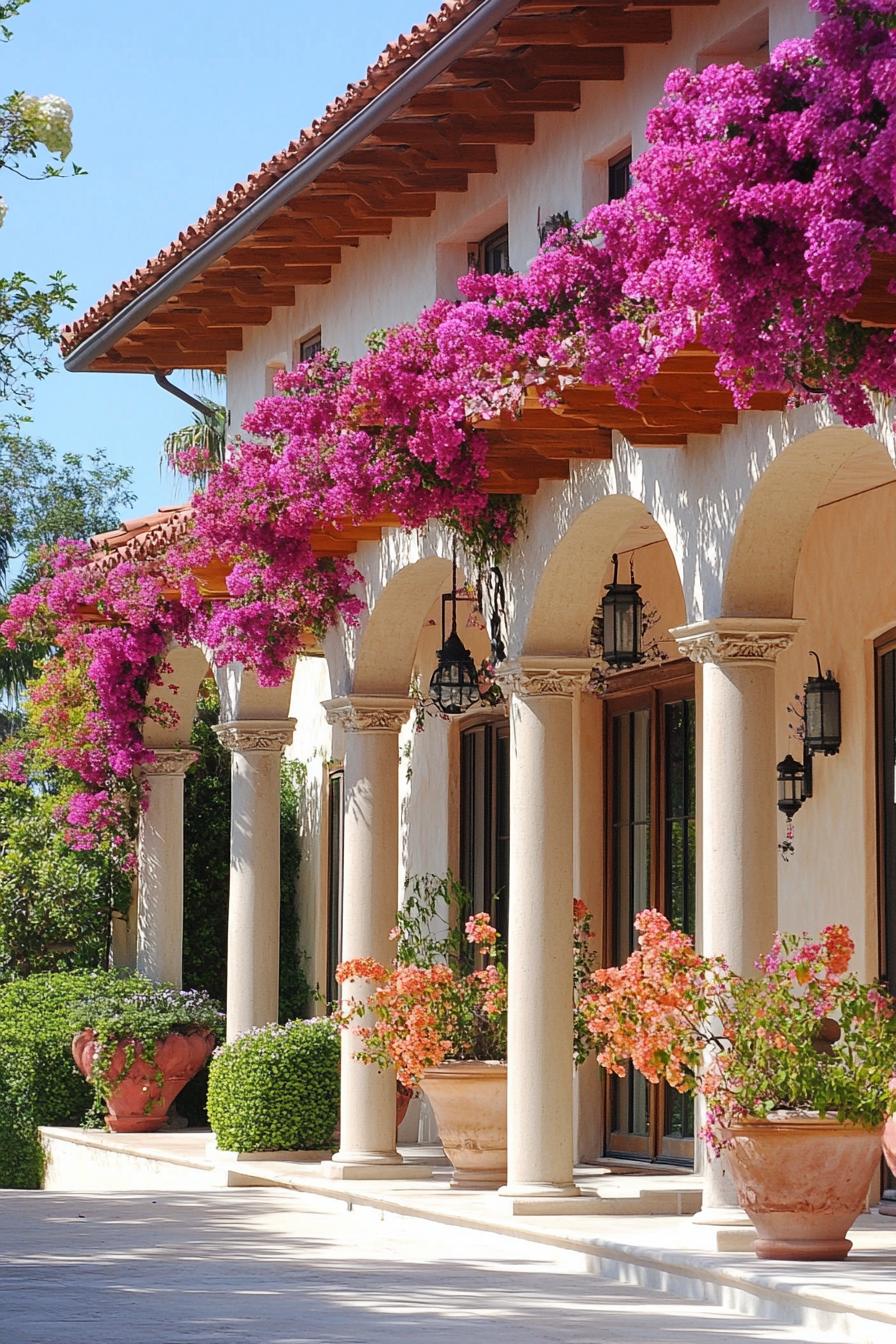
[
  {"x": 160, "y": 867},
  {"x": 253, "y": 923},
  {"x": 540, "y": 939},
  {"x": 369, "y": 911},
  {"x": 739, "y": 818}
]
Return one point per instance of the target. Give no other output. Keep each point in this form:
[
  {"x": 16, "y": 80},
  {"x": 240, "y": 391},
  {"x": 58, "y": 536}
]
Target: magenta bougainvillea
[{"x": 751, "y": 228}]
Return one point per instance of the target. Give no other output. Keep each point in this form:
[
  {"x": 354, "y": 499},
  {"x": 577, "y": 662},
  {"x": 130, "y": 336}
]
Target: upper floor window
[
  {"x": 619, "y": 176},
  {"x": 307, "y": 347},
  {"x": 491, "y": 256}
]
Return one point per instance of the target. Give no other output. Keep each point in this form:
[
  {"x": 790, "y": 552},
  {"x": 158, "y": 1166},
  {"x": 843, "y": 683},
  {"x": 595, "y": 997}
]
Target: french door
[
  {"x": 651, "y": 863},
  {"x": 485, "y": 818}
]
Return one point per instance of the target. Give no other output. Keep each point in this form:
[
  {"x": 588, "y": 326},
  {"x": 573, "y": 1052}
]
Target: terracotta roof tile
[{"x": 397, "y": 56}]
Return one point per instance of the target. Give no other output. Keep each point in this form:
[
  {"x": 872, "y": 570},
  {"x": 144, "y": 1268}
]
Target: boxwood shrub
[
  {"x": 39, "y": 1084},
  {"x": 276, "y": 1087}
]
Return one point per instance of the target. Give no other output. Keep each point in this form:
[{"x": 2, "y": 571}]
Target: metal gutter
[{"x": 409, "y": 83}]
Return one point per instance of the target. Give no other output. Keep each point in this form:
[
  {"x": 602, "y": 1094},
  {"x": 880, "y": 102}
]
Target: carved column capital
[
  {"x": 369, "y": 713},
  {"x": 736, "y": 639},
  {"x": 544, "y": 676},
  {"x": 168, "y": 762},
  {"x": 244, "y": 735}
]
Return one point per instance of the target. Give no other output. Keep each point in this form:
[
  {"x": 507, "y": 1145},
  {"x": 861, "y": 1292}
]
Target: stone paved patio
[{"x": 263, "y": 1266}]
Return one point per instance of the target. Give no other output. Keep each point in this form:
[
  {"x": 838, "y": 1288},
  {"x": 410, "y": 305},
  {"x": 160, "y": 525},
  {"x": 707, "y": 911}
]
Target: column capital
[
  {"x": 168, "y": 762},
  {"x": 369, "y": 713},
  {"x": 244, "y": 735},
  {"x": 747, "y": 640},
  {"x": 536, "y": 675}
]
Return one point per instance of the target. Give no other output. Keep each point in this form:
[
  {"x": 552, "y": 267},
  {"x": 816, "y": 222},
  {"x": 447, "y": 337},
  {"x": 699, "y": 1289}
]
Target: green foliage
[
  {"x": 295, "y": 992},
  {"x": 206, "y": 856},
  {"x": 39, "y": 1084},
  {"x": 276, "y": 1088},
  {"x": 55, "y": 902},
  {"x": 44, "y": 496}
]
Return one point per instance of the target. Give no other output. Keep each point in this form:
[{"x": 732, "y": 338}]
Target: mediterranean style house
[{"x": 756, "y": 538}]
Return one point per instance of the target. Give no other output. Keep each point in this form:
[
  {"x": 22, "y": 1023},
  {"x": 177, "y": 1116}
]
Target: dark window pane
[
  {"x": 494, "y": 252},
  {"x": 620, "y": 176}
]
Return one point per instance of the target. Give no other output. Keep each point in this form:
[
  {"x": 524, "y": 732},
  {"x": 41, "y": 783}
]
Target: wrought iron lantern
[
  {"x": 791, "y": 786},
  {"x": 622, "y": 609},
  {"x": 822, "y": 712},
  {"x": 454, "y": 686}
]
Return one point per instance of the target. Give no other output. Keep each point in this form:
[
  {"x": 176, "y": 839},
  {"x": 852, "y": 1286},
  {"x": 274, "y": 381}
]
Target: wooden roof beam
[{"x": 587, "y": 29}]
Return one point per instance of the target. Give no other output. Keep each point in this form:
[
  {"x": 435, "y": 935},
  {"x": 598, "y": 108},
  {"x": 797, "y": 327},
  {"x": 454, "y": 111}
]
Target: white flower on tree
[
  {"x": 50, "y": 120},
  {"x": 3, "y": 209}
]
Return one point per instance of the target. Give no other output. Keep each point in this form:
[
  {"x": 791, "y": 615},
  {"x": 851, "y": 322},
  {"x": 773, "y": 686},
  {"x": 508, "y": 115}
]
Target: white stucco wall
[{"x": 846, "y": 598}]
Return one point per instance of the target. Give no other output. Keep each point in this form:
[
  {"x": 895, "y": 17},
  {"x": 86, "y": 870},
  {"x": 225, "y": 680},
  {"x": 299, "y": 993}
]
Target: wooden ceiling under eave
[{"x": 535, "y": 61}]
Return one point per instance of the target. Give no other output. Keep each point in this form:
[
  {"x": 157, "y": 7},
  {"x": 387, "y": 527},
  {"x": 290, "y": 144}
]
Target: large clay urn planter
[
  {"x": 469, "y": 1100},
  {"x": 141, "y": 1095},
  {"x": 803, "y": 1181}
]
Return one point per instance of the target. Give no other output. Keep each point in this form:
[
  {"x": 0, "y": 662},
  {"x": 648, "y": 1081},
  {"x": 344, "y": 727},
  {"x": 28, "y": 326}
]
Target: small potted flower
[
  {"x": 794, "y": 1065},
  {"x": 440, "y": 1020},
  {"x": 138, "y": 1049}
]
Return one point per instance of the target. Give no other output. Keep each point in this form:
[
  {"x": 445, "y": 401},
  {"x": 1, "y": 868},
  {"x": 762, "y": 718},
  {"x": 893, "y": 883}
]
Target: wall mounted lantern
[
  {"x": 821, "y": 705},
  {"x": 622, "y": 609},
  {"x": 791, "y": 786},
  {"x": 454, "y": 686}
]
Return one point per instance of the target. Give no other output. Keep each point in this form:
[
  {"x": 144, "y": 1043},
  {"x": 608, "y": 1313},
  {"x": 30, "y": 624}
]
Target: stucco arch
[
  {"x": 243, "y": 697},
  {"x": 385, "y": 657},
  {"x": 570, "y": 586},
  {"x": 189, "y": 667},
  {"x": 762, "y": 565}
]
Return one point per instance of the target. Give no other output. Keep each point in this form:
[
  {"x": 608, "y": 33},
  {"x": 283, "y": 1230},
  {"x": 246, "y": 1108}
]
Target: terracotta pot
[
  {"x": 803, "y": 1181},
  {"x": 139, "y": 1102},
  {"x": 889, "y": 1143},
  {"x": 469, "y": 1099}
]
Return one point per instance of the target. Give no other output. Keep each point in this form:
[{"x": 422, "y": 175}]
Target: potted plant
[
  {"x": 440, "y": 1020},
  {"x": 794, "y": 1065},
  {"x": 138, "y": 1048}
]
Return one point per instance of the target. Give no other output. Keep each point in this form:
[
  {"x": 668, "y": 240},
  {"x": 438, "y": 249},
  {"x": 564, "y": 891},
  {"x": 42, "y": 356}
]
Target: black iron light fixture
[
  {"x": 621, "y": 609},
  {"x": 791, "y": 786},
  {"x": 821, "y": 706},
  {"x": 454, "y": 686}
]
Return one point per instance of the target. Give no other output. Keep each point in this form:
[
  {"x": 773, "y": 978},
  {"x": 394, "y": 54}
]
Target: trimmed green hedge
[
  {"x": 39, "y": 1084},
  {"x": 276, "y": 1088}
]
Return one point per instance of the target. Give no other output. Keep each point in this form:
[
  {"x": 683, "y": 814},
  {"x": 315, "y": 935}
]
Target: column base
[
  {"x": 724, "y": 1229},
  {"x": 544, "y": 1198},
  {"x": 373, "y": 1167}
]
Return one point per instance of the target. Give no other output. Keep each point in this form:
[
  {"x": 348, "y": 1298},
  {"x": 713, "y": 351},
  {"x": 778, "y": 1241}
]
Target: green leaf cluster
[
  {"x": 55, "y": 903},
  {"x": 276, "y": 1087},
  {"x": 39, "y": 1084}
]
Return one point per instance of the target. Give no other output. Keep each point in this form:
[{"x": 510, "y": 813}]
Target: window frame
[
  {"x": 335, "y": 871},
  {"x": 478, "y": 252},
  {"x": 621, "y": 161},
  {"x": 306, "y": 347}
]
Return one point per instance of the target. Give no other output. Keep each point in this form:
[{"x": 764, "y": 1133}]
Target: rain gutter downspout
[
  {"x": 402, "y": 89},
  {"x": 202, "y": 407}
]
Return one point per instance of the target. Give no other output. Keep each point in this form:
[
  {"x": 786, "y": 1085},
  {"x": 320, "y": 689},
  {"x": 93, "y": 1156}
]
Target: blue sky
[{"x": 174, "y": 102}]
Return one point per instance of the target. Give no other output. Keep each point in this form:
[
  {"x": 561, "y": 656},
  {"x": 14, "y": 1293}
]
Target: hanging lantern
[
  {"x": 822, "y": 712},
  {"x": 621, "y": 608},
  {"x": 791, "y": 780},
  {"x": 454, "y": 686}
]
